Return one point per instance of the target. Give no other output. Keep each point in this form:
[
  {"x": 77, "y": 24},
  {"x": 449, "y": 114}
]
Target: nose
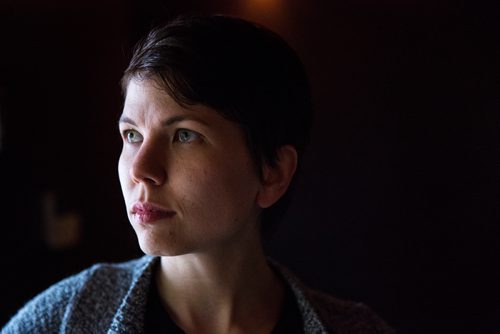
[{"x": 149, "y": 164}]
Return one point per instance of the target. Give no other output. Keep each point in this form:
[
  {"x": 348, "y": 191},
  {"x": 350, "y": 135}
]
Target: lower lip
[{"x": 149, "y": 217}]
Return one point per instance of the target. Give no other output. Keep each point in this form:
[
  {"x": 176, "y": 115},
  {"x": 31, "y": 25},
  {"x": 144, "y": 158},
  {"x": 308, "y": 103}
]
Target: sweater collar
[{"x": 130, "y": 316}]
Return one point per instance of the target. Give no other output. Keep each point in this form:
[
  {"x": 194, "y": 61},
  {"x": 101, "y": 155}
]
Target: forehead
[
  {"x": 148, "y": 105},
  {"x": 142, "y": 93},
  {"x": 145, "y": 99}
]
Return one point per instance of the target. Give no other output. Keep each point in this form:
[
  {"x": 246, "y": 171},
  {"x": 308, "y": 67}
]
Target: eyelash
[
  {"x": 125, "y": 135},
  {"x": 192, "y": 133}
]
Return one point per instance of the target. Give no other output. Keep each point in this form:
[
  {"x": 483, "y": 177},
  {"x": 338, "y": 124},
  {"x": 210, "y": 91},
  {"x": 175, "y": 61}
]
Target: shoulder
[
  {"x": 323, "y": 313},
  {"x": 45, "y": 312},
  {"x": 49, "y": 311}
]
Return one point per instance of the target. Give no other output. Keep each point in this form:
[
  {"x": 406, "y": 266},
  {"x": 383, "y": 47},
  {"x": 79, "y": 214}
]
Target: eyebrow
[
  {"x": 125, "y": 119},
  {"x": 168, "y": 122}
]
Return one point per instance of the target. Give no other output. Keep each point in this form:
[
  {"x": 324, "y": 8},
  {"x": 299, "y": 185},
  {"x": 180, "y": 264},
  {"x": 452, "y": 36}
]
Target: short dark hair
[{"x": 242, "y": 70}]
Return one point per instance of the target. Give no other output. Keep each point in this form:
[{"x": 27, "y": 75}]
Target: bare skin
[
  {"x": 229, "y": 292},
  {"x": 194, "y": 166}
]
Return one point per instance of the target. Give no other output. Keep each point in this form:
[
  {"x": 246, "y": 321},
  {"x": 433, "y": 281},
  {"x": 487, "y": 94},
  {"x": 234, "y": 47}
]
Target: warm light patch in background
[{"x": 270, "y": 13}]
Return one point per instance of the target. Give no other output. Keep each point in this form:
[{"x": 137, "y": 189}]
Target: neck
[{"x": 221, "y": 291}]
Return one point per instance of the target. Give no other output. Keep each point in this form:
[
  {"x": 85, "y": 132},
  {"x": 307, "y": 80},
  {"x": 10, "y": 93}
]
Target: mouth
[{"x": 148, "y": 213}]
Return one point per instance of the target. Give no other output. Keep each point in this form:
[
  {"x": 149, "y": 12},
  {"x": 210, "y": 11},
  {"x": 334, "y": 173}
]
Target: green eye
[
  {"x": 133, "y": 136},
  {"x": 186, "y": 136}
]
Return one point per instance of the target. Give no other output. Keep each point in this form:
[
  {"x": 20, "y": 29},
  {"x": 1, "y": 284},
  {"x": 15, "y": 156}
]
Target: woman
[{"x": 215, "y": 118}]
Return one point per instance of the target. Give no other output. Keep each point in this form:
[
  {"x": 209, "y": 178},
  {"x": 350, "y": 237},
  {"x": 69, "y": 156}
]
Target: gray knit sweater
[{"x": 111, "y": 298}]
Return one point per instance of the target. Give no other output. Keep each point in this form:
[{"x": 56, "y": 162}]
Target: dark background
[{"x": 398, "y": 205}]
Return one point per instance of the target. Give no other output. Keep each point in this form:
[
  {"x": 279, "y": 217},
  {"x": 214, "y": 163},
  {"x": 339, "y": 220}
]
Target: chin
[{"x": 157, "y": 246}]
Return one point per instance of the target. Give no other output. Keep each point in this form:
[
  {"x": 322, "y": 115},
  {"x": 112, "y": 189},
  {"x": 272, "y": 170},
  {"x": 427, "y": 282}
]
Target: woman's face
[{"x": 187, "y": 175}]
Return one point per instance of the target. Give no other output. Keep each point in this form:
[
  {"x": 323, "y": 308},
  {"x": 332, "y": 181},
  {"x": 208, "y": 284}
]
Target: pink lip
[{"x": 147, "y": 213}]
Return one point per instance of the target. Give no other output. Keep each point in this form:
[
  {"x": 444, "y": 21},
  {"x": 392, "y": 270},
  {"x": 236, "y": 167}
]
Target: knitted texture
[{"x": 111, "y": 298}]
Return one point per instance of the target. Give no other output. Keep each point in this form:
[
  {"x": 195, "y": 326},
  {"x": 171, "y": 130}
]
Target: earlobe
[{"x": 276, "y": 179}]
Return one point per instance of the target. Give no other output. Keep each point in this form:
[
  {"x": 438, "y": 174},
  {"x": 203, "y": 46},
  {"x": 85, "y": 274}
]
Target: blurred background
[{"x": 398, "y": 204}]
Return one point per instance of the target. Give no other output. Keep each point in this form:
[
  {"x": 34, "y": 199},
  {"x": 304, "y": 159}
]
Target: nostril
[
  {"x": 151, "y": 174},
  {"x": 151, "y": 181},
  {"x": 148, "y": 165}
]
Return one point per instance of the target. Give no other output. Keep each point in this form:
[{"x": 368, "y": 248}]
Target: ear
[{"x": 276, "y": 179}]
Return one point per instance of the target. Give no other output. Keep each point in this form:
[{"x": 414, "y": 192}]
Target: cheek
[
  {"x": 123, "y": 172},
  {"x": 225, "y": 187}
]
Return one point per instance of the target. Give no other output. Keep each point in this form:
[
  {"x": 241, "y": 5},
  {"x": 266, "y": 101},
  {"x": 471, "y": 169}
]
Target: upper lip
[{"x": 142, "y": 207}]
